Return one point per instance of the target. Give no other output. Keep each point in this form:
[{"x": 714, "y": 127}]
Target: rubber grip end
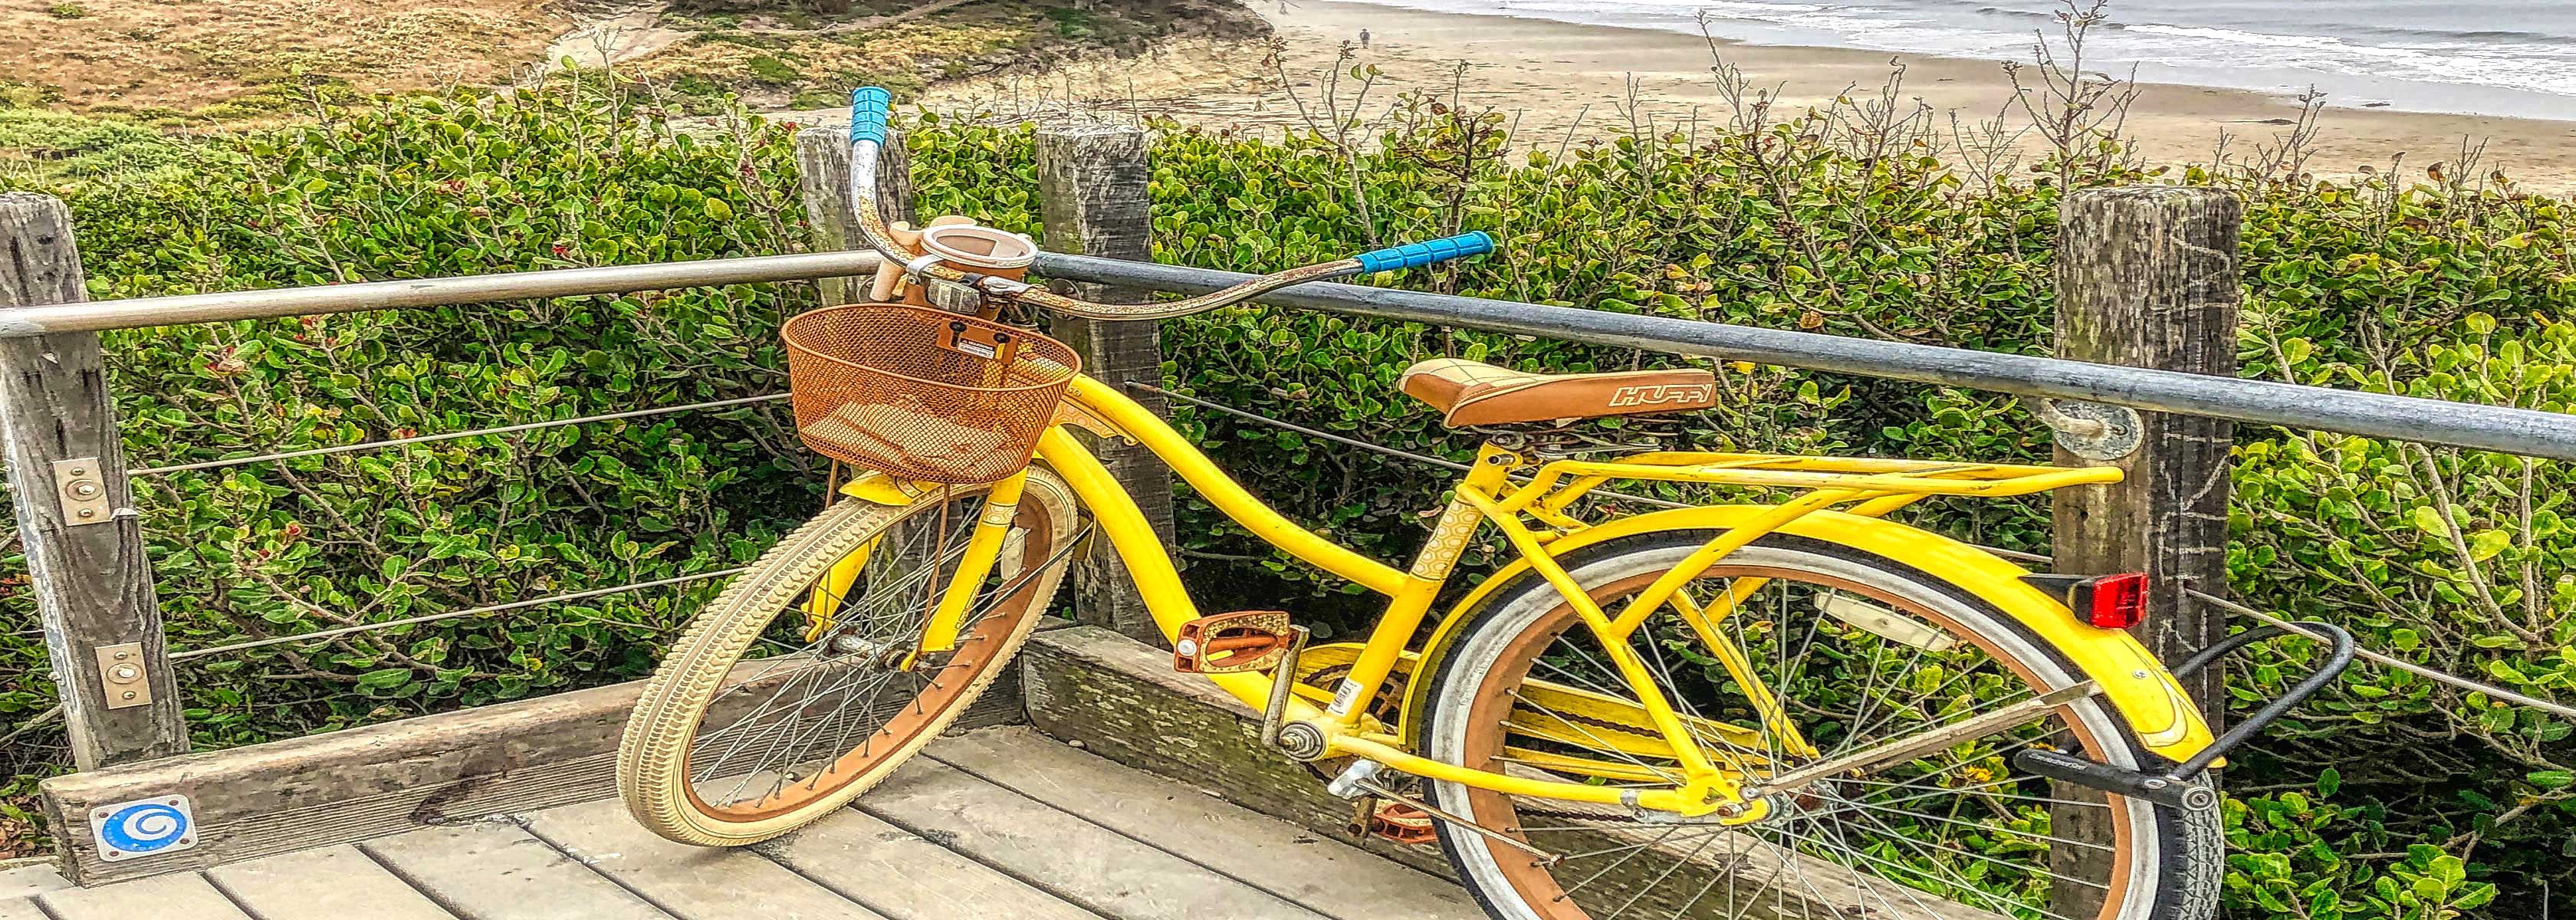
[
  {"x": 870, "y": 109},
  {"x": 1416, "y": 255}
]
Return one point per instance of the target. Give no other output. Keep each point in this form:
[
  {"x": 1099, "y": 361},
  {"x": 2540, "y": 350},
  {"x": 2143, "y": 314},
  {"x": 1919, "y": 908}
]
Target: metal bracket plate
[
  {"x": 2094, "y": 431},
  {"x": 143, "y": 827},
  {"x": 83, "y": 491},
  {"x": 122, "y": 679}
]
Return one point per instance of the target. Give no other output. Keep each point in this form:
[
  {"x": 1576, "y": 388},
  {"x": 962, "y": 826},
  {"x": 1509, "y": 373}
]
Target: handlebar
[{"x": 870, "y": 116}]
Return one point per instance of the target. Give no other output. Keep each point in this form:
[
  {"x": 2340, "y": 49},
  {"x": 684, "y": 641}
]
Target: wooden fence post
[
  {"x": 823, "y": 181},
  {"x": 2147, "y": 277},
  {"x": 1091, "y": 187},
  {"x": 84, "y": 544}
]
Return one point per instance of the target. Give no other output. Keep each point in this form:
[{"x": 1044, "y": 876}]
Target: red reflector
[{"x": 2112, "y": 601}]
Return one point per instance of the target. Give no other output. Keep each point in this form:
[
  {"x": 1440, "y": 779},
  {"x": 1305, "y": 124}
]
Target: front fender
[{"x": 2134, "y": 682}]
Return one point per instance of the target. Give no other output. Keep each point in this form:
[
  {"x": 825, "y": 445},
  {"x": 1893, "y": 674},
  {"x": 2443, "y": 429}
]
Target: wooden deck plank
[
  {"x": 1071, "y": 858},
  {"x": 31, "y": 880},
  {"x": 1326, "y": 875},
  {"x": 694, "y": 883},
  {"x": 185, "y": 896},
  {"x": 905, "y": 877},
  {"x": 493, "y": 870},
  {"x": 359, "y": 783},
  {"x": 1123, "y": 700},
  {"x": 332, "y": 883}
]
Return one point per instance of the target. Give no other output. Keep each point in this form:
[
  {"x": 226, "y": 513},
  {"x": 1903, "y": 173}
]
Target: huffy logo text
[{"x": 1663, "y": 395}]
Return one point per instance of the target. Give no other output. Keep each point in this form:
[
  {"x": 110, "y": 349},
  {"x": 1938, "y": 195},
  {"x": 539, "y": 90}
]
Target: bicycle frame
[{"x": 1870, "y": 487}]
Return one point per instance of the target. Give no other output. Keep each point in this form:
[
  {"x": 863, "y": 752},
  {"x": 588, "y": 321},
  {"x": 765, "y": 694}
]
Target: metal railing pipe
[
  {"x": 140, "y": 312},
  {"x": 2516, "y": 431},
  {"x": 2379, "y": 415}
]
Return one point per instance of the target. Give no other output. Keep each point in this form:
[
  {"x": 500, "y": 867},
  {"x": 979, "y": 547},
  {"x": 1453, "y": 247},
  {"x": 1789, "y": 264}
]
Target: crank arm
[
  {"x": 1283, "y": 684},
  {"x": 1921, "y": 743}
]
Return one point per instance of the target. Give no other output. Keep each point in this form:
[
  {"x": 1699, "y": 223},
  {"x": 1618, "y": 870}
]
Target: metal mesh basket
[{"x": 921, "y": 393}]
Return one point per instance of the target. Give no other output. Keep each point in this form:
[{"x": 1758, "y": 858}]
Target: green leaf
[
  {"x": 2429, "y": 520},
  {"x": 384, "y": 679},
  {"x": 2475, "y": 897},
  {"x": 2485, "y": 544}
]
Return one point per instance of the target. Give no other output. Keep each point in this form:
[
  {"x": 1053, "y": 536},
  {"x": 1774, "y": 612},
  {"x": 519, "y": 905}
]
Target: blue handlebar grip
[
  {"x": 1416, "y": 255},
  {"x": 868, "y": 113}
]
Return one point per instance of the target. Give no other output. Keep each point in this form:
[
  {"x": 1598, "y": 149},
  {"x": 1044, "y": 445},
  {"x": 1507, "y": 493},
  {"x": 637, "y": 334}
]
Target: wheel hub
[{"x": 863, "y": 652}]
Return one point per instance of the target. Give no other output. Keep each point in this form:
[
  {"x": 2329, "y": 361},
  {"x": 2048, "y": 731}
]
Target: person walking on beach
[{"x": 1363, "y": 38}]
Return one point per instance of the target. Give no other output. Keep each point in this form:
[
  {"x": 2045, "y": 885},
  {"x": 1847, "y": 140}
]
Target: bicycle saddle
[{"x": 1470, "y": 393}]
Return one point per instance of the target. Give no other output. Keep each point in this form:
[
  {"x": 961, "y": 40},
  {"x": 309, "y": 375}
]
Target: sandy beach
[{"x": 1558, "y": 77}]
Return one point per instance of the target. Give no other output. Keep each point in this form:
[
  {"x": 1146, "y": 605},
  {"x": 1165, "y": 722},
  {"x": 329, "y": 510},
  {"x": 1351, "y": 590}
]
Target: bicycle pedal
[
  {"x": 1394, "y": 821},
  {"x": 1232, "y": 643}
]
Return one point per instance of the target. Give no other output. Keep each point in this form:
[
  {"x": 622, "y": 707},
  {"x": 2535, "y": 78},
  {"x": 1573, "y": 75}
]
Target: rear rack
[
  {"x": 1874, "y": 486},
  {"x": 1865, "y": 474}
]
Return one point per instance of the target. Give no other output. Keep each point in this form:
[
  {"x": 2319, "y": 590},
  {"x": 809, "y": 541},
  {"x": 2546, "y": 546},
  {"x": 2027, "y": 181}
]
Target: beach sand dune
[{"x": 1554, "y": 78}]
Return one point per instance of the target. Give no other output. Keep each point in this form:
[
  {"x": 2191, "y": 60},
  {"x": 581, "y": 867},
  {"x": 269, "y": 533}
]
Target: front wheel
[
  {"x": 803, "y": 684},
  {"x": 1794, "y": 651}
]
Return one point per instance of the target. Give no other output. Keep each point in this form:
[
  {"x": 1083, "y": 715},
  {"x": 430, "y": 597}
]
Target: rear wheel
[
  {"x": 1827, "y": 650},
  {"x": 760, "y": 721}
]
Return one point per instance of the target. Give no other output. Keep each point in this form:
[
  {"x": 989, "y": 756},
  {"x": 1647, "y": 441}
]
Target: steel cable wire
[
  {"x": 2409, "y": 667},
  {"x": 452, "y": 435},
  {"x": 452, "y": 614}
]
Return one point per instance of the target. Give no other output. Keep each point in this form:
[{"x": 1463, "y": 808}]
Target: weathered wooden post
[
  {"x": 1092, "y": 195},
  {"x": 823, "y": 181},
  {"x": 2147, "y": 277},
  {"x": 83, "y": 541}
]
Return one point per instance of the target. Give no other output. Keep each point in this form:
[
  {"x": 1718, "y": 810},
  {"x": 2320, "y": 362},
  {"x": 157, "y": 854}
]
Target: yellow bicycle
[{"x": 1796, "y": 709}]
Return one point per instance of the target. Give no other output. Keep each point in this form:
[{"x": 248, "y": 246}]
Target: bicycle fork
[{"x": 983, "y": 549}]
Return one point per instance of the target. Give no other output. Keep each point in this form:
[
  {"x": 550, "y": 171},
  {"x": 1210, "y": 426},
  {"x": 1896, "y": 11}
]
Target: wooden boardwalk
[{"x": 995, "y": 824}]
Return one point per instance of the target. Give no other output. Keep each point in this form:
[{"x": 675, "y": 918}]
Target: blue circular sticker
[{"x": 144, "y": 827}]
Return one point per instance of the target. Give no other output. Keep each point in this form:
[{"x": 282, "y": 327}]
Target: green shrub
[
  {"x": 45, "y": 146},
  {"x": 768, "y": 69},
  {"x": 1072, "y": 23},
  {"x": 419, "y": 187}
]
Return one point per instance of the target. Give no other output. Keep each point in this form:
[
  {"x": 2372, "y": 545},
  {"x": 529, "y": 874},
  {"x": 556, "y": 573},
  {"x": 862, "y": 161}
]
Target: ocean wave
[
  {"x": 2223, "y": 37},
  {"x": 2475, "y": 35},
  {"x": 2519, "y": 66},
  {"x": 2265, "y": 44},
  {"x": 2010, "y": 13}
]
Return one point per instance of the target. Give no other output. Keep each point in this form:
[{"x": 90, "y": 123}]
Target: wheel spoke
[
  {"x": 1848, "y": 804},
  {"x": 1604, "y": 746}
]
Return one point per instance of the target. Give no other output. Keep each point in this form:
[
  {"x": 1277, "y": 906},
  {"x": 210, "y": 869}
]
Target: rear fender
[{"x": 2133, "y": 681}]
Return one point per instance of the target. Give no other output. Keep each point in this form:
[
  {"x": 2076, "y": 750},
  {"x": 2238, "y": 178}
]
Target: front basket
[{"x": 923, "y": 393}]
